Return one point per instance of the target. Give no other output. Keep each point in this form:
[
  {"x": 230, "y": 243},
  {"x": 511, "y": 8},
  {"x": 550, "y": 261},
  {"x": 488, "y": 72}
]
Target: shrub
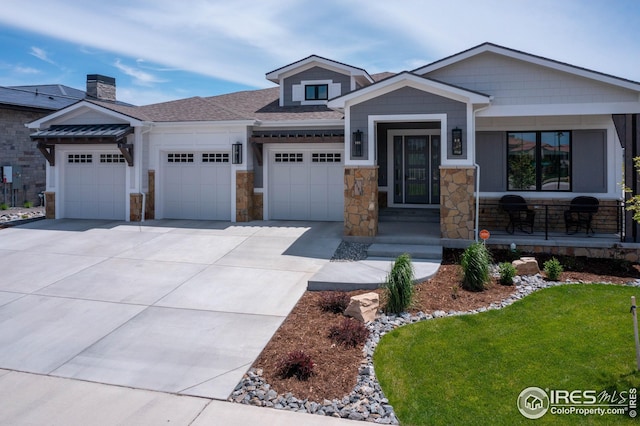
[
  {"x": 475, "y": 263},
  {"x": 4, "y": 206},
  {"x": 28, "y": 204},
  {"x": 399, "y": 285},
  {"x": 553, "y": 269},
  {"x": 334, "y": 301},
  {"x": 349, "y": 332},
  {"x": 507, "y": 272},
  {"x": 296, "y": 364}
]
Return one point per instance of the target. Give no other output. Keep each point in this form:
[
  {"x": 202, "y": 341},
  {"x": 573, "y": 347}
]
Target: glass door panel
[{"x": 416, "y": 165}]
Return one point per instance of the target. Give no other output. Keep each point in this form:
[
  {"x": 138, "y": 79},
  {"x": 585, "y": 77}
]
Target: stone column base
[
  {"x": 244, "y": 195},
  {"x": 150, "y": 200},
  {"x": 361, "y": 201},
  {"x": 457, "y": 202},
  {"x": 50, "y": 205},
  {"x": 258, "y": 206},
  {"x": 135, "y": 207}
]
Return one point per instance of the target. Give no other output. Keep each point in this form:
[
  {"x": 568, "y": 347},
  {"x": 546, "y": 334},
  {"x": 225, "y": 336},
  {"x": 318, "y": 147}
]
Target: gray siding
[
  {"x": 491, "y": 156},
  {"x": 315, "y": 73},
  {"x": 589, "y": 157},
  {"x": 411, "y": 101},
  {"x": 514, "y": 82}
]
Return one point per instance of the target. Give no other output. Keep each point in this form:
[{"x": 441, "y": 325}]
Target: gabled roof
[
  {"x": 528, "y": 57},
  {"x": 191, "y": 109},
  {"x": 409, "y": 79},
  {"x": 47, "y": 96},
  {"x": 315, "y": 60}
]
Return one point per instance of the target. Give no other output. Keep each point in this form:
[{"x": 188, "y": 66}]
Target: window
[
  {"x": 539, "y": 161},
  {"x": 179, "y": 158},
  {"x": 316, "y": 92},
  {"x": 215, "y": 157},
  {"x": 325, "y": 157},
  {"x": 287, "y": 157},
  {"x": 80, "y": 158},
  {"x": 111, "y": 158}
]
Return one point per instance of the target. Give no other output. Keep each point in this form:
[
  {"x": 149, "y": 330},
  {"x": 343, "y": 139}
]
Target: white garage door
[
  {"x": 306, "y": 184},
  {"x": 197, "y": 185},
  {"x": 94, "y": 186}
]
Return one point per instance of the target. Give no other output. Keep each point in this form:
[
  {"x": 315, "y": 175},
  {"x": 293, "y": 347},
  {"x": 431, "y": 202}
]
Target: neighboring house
[
  {"x": 334, "y": 143},
  {"x": 24, "y": 104}
]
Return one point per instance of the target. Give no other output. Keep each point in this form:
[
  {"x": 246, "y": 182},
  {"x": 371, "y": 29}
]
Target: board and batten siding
[
  {"x": 315, "y": 73},
  {"x": 408, "y": 100},
  {"x": 588, "y": 161},
  {"x": 514, "y": 82}
]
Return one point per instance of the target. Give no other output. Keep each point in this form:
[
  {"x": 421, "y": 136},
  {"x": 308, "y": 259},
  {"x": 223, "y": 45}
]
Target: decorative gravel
[
  {"x": 350, "y": 252},
  {"x": 367, "y": 401},
  {"x": 14, "y": 214}
]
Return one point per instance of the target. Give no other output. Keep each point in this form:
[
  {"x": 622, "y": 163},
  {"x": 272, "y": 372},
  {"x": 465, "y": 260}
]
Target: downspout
[{"x": 477, "y": 166}]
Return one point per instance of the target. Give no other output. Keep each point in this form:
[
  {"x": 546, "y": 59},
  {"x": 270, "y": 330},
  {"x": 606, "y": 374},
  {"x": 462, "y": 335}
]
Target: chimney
[{"x": 101, "y": 87}]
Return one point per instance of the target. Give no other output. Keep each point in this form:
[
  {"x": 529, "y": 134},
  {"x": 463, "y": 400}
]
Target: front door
[{"x": 416, "y": 169}]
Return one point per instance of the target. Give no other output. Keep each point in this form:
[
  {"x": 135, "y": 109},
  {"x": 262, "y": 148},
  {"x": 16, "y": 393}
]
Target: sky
[{"x": 161, "y": 50}]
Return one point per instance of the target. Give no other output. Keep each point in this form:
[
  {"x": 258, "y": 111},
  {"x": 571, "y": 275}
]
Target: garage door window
[
  {"x": 215, "y": 157},
  {"x": 174, "y": 157},
  {"x": 326, "y": 157},
  {"x": 288, "y": 157},
  {"x": 80, "y": 158},
  {"x": 111, "y": 158}
]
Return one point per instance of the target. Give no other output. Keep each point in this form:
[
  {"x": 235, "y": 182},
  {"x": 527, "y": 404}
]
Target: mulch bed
[{"x": 336, "y": 367}]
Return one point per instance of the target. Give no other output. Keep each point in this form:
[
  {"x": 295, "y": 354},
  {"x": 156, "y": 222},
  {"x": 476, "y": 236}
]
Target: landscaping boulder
[
  {"x": 526, "y": 266},
  {"x": 363, "y": 307}
]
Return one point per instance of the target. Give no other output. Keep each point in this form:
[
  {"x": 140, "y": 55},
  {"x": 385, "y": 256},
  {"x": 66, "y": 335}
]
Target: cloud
[
  {"x": 26, "y": 70},
  {"x": 140, "y": 77},
  {"x": 41, "y": 54}
]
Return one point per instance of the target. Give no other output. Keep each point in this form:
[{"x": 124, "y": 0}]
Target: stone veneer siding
[
  {"x": 50, "y": 205},
  {"x": 135, "y": 207},
  {"x": 258, "y": 206},
  {"x": 17, "y": 150},
  {"x": 244, "y": 195},
  {"x": 361, "y": 201},
  {"x": 457, "y": 208},
  {"x": 150, "y": 202},
  {"x": 616, "y": 251}
]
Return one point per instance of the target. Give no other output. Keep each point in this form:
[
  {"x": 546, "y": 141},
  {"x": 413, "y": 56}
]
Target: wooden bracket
[
  {"x": 49, "y": 152},
  {"x": 127, "y": 151}
]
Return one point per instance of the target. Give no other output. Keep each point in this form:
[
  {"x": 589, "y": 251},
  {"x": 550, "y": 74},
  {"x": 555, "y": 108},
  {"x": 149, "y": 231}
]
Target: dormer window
[{"x": 316, "y": 92}]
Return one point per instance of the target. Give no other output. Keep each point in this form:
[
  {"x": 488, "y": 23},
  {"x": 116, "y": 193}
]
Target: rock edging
[{"x": 367, "y": 401}]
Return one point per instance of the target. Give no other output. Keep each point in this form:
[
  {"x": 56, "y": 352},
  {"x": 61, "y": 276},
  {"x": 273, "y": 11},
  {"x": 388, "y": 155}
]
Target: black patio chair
[
  {"x": 520, "y": 215},
  {"x": 580, "y": 214}
]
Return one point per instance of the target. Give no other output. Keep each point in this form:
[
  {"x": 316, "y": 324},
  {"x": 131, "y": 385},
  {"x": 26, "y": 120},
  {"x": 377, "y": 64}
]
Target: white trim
[
  {"x": 37, "y": 124},
  {"x": 278, "y": 76},
  {"x": 298, "y": 91},
  {"x": 526, "y": 57},
  {"x": 319, "y": 123},
  {"x": 408, "y": 80}
]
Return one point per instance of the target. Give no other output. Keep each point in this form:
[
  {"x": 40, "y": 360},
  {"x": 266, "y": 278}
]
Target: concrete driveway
[{"x": 174, "y": 306}]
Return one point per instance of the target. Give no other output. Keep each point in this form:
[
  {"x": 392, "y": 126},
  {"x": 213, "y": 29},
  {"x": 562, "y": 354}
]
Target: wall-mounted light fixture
[
  {"x": 356, "y": 143},
  {"x": 456, "y": 141},
  {"x": 236, "y": 153}
]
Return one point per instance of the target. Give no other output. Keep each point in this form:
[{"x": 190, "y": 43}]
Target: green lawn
[{"x": 470, "y": 369}]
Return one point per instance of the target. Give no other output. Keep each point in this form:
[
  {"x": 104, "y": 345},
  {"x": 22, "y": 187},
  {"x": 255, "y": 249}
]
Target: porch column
[
  {"x": 244, "y": 195},
  {"x": 361, "y": 201},
  {"x": 150, "y": 202},
  {"x": 457, "y": 202},
  {"x": 135, "y": 207}
]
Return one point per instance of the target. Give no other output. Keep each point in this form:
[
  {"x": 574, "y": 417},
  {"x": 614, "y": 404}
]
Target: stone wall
[
  {"x": 258, "y": 206},
  {"x": 361, "y": 201},
  {"x": 614, "y": 252},
  {"x": 17, "y": 150},
  {"x": 457, "y": 202},
  {"x": 244, "y": 195},
  {"x": 135, "y": 207}
]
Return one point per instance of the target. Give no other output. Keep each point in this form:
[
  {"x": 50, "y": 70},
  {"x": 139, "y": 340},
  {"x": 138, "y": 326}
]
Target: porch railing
[{"x": 549, "y": 218}]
